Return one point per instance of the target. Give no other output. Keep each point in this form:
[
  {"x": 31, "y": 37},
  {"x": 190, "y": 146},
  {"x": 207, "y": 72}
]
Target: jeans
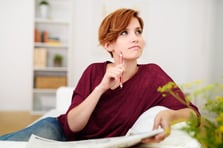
[{"x": 47, "y": 128}]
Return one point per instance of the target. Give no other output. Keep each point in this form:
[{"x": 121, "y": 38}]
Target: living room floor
[{"x": 14, "y": 120}]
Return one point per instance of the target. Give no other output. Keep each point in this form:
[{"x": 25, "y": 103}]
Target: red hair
[{"x": 114, "y": 23}]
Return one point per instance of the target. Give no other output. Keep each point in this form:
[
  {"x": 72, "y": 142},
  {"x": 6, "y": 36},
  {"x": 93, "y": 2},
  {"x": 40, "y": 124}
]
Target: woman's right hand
[{"x": 111, "y": 79}]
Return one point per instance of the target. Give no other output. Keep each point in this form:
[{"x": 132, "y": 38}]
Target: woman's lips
[{"x": 136, "y": 47}]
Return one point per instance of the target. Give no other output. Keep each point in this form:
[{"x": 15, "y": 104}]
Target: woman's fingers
[{"x": 114, "y": 75}]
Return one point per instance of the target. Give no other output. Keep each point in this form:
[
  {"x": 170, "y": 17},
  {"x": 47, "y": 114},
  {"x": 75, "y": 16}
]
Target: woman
[{"x": 110, "y": 96}]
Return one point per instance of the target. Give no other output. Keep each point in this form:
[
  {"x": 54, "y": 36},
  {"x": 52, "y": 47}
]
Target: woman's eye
[
  {"x": 124, "y": 33},
  {"x": 139, "y": 31}
]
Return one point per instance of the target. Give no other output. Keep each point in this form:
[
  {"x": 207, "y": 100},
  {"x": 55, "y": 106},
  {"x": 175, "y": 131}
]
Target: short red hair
[{"x": 114, "y": 23}]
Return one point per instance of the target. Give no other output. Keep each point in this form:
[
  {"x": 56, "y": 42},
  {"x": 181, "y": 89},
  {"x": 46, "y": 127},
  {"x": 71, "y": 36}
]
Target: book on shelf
[
  {"x": 53, "y": 41},
  {"x": 37, "y": 35},
  {"x": 40, "y": 57},
  {"x": 43, "y": 37},
  {"x": 40, "y": 36}
]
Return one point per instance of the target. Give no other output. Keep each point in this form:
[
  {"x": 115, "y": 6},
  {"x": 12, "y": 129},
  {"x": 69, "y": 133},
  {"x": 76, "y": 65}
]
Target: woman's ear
[{"x": 108, "y": 47}]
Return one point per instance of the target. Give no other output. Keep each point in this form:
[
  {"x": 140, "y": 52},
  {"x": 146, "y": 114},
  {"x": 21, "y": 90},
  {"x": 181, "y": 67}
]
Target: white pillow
[{"x": 145, "y": 121}]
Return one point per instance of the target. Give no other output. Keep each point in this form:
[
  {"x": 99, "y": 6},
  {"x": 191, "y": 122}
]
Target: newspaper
[{"x": 113, "y": 142}]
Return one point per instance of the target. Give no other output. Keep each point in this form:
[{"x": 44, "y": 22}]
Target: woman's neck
[{"x": 130, "y": 70}]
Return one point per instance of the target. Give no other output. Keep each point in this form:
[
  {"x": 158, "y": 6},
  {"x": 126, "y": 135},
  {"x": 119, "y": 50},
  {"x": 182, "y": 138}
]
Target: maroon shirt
[{"x": 118, "y": 109}]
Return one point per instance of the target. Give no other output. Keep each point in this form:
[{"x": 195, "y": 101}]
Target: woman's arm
[
  {"x": 166, "y": 118},
  {"x": 78, "y": 116}
]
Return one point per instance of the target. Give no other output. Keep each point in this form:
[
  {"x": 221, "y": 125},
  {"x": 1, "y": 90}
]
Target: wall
[
  {"x": 178, "y": 37},
  {"x": 217, "y": 49},
  {"x": 16, "y": 54}
]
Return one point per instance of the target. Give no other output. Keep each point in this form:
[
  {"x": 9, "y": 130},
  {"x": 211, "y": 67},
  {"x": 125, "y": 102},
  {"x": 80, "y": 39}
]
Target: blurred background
[{"x": 183, "y": 36}]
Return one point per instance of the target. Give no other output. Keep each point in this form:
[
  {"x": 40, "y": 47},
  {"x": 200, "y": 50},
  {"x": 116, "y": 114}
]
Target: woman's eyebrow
[{"x": 134, "y": 28}]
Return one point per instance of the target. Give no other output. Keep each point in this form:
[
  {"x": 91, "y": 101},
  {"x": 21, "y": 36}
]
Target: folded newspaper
[{"x": 113, "y": 142}]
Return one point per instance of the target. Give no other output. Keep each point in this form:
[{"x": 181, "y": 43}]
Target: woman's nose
[{"x": 133, "y": 37}]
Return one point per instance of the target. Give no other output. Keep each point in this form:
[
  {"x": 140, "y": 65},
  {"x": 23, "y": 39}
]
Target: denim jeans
[{"x": 47, "y": 128}]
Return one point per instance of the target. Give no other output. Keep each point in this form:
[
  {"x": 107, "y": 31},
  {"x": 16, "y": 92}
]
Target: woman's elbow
[{"x": 74, "y": 124}]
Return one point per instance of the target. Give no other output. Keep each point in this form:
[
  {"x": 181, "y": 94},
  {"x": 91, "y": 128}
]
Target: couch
[{"x": 177, "y": 138}]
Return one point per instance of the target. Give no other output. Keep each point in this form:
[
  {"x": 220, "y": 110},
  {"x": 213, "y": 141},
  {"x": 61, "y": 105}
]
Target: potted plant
[
  {"x": 208, "y": 130},
  {"x": 58, "y": 59},
  {"x": 44, "y": 9}
]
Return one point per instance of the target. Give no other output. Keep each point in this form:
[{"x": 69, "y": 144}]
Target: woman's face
[{"x": 129, "y": 42}]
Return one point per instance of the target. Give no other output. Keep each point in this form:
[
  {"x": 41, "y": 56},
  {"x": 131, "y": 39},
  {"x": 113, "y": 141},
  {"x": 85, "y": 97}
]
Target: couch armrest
[{"x": 63, "y": 98}]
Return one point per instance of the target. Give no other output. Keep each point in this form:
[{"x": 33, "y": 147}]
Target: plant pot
[
  {"x": 44, "y": 11},
  {"x": 57, "y": 63}
]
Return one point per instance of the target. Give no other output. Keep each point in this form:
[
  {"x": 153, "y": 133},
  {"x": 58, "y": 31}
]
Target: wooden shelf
[
  {"x": 56, "y": 31},
  {"x": 59, "y": 69},
  {"x": 46, "y": 91},
  {"x": 51, "y": 45},
  {"x": 52, "y": 21}
]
